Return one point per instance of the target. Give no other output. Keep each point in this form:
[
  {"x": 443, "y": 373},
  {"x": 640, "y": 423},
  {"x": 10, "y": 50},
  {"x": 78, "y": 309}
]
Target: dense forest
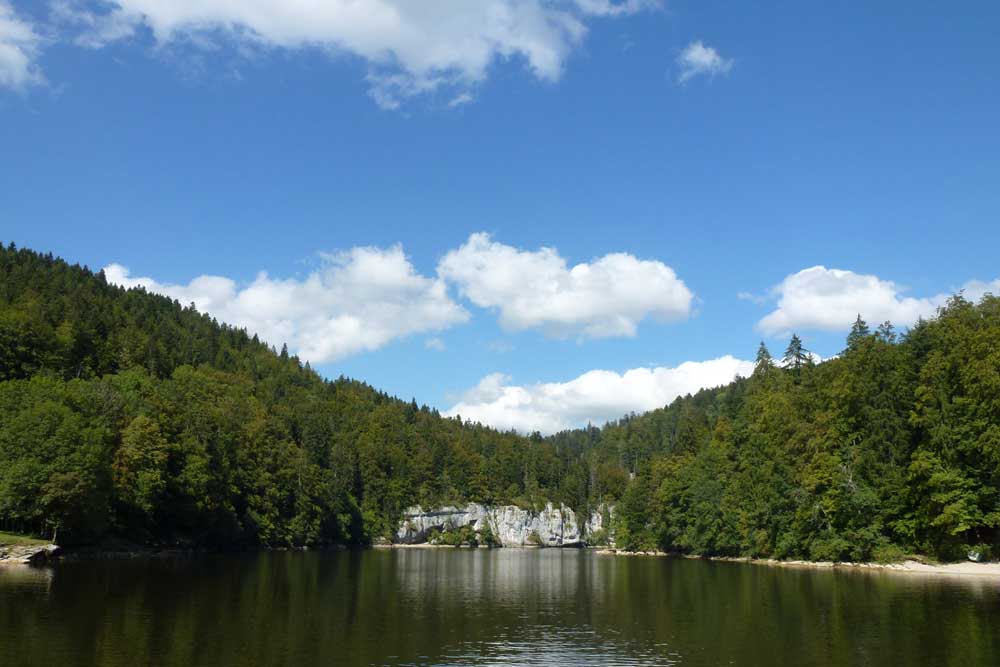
[
  {"x": 891, "y": 448},
  {"x": 124, "y": 414}
]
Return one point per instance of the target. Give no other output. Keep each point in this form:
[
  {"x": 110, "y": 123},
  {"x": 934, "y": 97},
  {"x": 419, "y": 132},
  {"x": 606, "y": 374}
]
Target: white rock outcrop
[
  {"x": 417, "y": 524},
  {"x": 600, "y": 519},
  {"x": 510, "y": 525}
]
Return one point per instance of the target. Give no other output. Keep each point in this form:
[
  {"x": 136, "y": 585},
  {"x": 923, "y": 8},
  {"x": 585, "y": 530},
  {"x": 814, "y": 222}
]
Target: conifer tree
[
  {"x": 859, "y": 331},
  {"x": 796, "y": 356},
  {"x": 764, "y": 361},
  {"x": 886, "y": 332}
]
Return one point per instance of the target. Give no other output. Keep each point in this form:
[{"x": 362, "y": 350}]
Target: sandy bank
[{"x": 964, "y": 569}]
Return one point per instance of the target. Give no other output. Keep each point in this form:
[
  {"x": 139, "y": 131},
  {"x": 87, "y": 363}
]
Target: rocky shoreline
[{"x": 18, "y": 554}]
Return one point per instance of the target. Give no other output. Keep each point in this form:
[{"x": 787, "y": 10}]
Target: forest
[{"x": 127, "y": 416}]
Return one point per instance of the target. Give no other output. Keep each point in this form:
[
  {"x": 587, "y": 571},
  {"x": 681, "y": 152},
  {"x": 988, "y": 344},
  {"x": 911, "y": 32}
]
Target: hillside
[
  {"x": 125, "y": 414},
  {"x": 891, "y": 448}
]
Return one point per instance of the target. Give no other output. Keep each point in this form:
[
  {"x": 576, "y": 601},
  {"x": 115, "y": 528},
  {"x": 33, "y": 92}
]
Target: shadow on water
[{"x": 479, "y": 607}]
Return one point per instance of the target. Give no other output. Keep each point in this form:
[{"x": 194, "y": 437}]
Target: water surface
[{"x": 486, "y": 607}]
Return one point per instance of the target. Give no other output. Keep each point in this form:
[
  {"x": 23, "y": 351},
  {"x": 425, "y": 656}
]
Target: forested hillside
[
  {"x": 125, "y": 414},
  {"x": 892, "y": 448}
]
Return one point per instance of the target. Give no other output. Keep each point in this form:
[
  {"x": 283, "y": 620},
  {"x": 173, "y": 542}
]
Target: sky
[{"x": 531, "y": 213}]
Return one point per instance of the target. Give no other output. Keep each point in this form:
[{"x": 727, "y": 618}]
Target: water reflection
[
  {"x": 486, "y": 607},
  {"x": 26, "y": 577}
]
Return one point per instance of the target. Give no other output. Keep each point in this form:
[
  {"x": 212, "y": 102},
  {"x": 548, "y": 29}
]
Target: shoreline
[
  {"x": 908, "y": 566},
  {"x": 46, "y": 554},
  {"x": 33, "y": 554}
]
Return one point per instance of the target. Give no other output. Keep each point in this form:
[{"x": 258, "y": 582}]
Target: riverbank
[
  {"x": 27, "y": 554},
  {"x": 38, "y": 553},
  {"x": 909, "y": 566}
]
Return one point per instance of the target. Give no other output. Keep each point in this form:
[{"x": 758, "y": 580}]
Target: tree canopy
[{"x": 126, "y": 414}]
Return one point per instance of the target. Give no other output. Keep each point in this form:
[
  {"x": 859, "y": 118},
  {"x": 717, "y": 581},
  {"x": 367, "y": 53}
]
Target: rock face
[
  {"x": 552, "y": 527},
  {"x": 417, "y": 524},
  {"x": 601, "y": 520},
  {"x": 510, "y": 525}
]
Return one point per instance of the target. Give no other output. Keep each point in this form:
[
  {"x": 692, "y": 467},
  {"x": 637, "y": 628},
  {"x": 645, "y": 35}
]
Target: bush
[
  {"x": 979, "y": 552},
  {"x": 458, "y": 537},
  {"x": 598, "y": 538},
  {"x": 888, "y": 553},
  {"x": 486, "y": 537}
]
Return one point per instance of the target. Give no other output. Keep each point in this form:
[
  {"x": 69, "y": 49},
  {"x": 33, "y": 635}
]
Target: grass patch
[{"x": 15, "y": 540}]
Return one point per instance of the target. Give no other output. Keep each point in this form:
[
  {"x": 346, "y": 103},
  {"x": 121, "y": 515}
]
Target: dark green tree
[{"x": 859, "y": 331}]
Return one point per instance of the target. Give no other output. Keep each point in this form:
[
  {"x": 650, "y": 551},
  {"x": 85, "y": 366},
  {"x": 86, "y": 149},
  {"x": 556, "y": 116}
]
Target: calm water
[{"x": 497, "y": 607}]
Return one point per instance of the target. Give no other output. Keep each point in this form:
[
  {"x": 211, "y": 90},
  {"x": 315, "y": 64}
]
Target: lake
[{"x": 486, "y": 607}]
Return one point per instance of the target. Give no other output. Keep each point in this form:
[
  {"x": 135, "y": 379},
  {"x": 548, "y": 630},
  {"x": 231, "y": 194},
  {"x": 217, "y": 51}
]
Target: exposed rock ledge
[
  {"x": 27, "y": 554},
  {"x": 510, "y": 525}
]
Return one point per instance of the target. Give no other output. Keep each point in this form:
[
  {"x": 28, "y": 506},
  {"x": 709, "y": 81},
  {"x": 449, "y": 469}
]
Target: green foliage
[
  {"x": 139, "y": 469},
  {"x": 14, "y": 540},
  {"x": 893, "y": 448},
  {"x": 126, "y": 414},
  {"x": 599, "y": 538},
  {"x": 487, "y": 538},
  {"x": 464, "y": 536}
]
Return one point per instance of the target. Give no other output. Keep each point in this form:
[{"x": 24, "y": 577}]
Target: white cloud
[
  {"x": 611, "y": 8},
  {"x": 435, "y": 343},
  {"x": 831, "y": 299},
  {"x": 596, "y": 396},
  {"x": 751, "y": 297},
  {"x": 411, "y": 47},
  {"x": 536, "y": 289},
  {"x": 357, "y": 301},
  {"x": 500, "y": 346},
  {"x": 697, "y": 59},
  {"x": 974, "y": 290},
  {"x": 94, "y": 30},
  {"x": 19, "y": 49},
  {"x": 461, "y": 99}
]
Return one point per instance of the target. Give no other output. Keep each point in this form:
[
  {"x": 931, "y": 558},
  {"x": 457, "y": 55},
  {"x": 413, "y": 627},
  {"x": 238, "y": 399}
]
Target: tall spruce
[
  {"x": 764, "y": 361},
  {"x": 859, "y": 331},
  {"x": 796, "y": 356}
]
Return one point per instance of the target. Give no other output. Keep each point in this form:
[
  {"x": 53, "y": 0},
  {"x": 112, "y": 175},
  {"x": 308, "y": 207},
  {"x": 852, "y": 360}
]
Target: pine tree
[
  {"x": 886, "y": 332},
  {"x": 764, "y": 360},
  {"x": 859, "y": 331},
  {"x": 796, "y": 356}
]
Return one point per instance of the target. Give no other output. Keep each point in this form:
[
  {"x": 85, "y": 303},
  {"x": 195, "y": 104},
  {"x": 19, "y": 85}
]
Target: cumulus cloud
[
  {"x": 974, "y": 290},
  {"x": 697, "y": 59},
  {"x": 596, "y": 396},
  {"x": 19, "y": 49},
  {"x": 830, "y": 300},
  {"x": 411, "y": 47},
  {"x": 537, "y": 289},
  {"x": 358, "y": 300}
]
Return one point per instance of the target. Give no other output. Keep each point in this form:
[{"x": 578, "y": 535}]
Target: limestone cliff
[{"x": 510, "y": 525}]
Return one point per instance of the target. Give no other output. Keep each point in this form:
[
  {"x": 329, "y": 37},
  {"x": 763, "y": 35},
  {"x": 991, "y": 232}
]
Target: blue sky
[{"x": 727, "y": 145}]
